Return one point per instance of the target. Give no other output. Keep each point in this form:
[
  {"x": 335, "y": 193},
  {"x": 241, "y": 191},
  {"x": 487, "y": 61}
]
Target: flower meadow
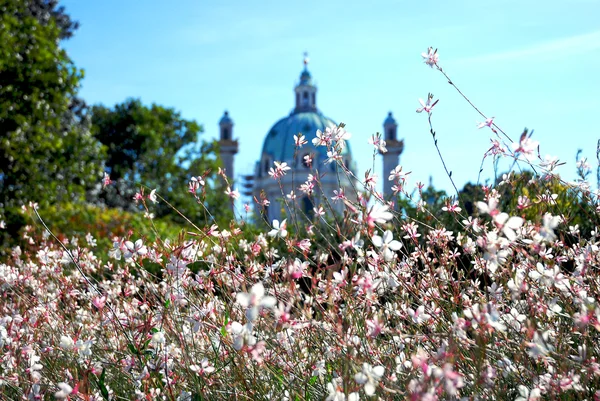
[{"x": 374, "y": 303}]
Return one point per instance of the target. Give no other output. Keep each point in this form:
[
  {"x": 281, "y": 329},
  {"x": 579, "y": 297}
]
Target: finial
[{"x": 306, "y": 60}]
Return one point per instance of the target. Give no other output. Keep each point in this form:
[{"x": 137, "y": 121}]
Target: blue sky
[{"x": 528, "y": 63}]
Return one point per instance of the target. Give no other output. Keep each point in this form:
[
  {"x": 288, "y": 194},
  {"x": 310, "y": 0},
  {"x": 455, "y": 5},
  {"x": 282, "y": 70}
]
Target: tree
[
  {"x": 155, "y": 147},
  {"x": 47, "y": 153}
]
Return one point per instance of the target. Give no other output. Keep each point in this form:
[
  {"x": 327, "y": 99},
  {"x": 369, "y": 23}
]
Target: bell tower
[
  {"x": 306, "y": 92},
  {"x": 227, "y": 145},
  {"x": 394, "y": 148}
]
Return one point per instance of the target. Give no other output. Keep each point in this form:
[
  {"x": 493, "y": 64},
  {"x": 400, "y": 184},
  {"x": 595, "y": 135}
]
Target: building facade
[{"x": 279, "y": 146}]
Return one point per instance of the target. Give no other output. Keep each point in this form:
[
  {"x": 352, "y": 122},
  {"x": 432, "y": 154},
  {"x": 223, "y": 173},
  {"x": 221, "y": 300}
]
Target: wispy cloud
[{"x": 554, "y": 49}]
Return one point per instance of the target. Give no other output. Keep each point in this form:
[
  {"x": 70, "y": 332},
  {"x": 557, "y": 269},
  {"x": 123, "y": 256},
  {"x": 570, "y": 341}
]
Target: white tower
[
  {"x": 394, "y": 149},
  {"x": 228, "y": 146}
]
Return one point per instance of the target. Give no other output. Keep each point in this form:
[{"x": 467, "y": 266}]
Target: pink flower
[
  {"x": 339, "y": 195},
  {"x": 99, "y": 302},
  {"x": 370, "y": 180},
  {"x": 488, "y": 123},
  {"x": 431, "y": 57},
  {"x": 319, "y": 211},
  {"x": 138, "y": 197},
  {"x": 232, "y": 194},
  {"x": 526, "y": 146},
  {"x": 307, "y": 160},
  {"x": 281, "y": 168},
  {"x": 451, "y": 208},
  {"x": 397, "y": 174},
  {"x": 195, "y": 184},
  {"x": 300, "y": 140},
  {"x": 297, "y": 269},
  {"x": 322, "y": 138},
  {"x": 378, "y": 214},
  {"x": 378, "y": 143},
  {"x": 427, "y": 106},
  {"x": 106, "y": 180}
]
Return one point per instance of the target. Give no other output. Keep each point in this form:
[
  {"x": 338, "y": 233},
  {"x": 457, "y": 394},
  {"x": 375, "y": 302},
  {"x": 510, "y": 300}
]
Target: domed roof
[
  {"x": 279, "y": 144},
  {"x": 226, "y": 119},
  {"x": 389, "y": 120},
  {"x": 305, "y": 119},
  {"x": 305, "y": 78}
]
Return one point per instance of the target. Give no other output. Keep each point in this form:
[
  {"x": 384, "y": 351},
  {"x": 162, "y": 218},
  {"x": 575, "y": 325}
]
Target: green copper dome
[
  {"x": 305, "y": 119},
  {"x": 279, "y": 144}
]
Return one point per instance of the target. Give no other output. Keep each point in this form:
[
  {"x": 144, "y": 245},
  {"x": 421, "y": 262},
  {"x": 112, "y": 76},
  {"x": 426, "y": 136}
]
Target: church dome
[
  {"x": 305, "y": 119},
  {"x": 279, "y": 143}
]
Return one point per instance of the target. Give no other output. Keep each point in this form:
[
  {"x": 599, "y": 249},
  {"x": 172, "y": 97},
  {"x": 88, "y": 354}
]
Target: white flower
[
  {"x": 205, "y": 367},
  {"x": 64, "y": 392},
  {"x": 508, "y": 225},
  {"x": 158, "y": 338},
  {"x": 546, "y": 232},
  {"x": 540, "y": 346},
  {"x": 322, "y": 139},
  {"x": 418, "y": 316},
  {"x": 387, "y": 244},
  {"x": 526, "y": 395},
  {"x": 378, "y": 143},
  {"x": 281, "y": 168},
  {"x": 379, "y": 214},
  {"x": 279, "y": 229},
  {"x": 527, "y": 147},
  {"x": 84, "y": 347},
  {"x": 66, "y": 343},
  {"x": 242, "y": 334},
  {"x": 431, "y": 57},
  {"x": 397, "y": 174},
  {"x": 233, "y": 194},
  {"x": 336, "y": 392},
  {"x": 370, "y": 377},
  {"x": 132, "y": 249},
  {"x": 255, "y": 300},
  {"x": 115, "y": 251},
  {"x": 152, "y": 196}
]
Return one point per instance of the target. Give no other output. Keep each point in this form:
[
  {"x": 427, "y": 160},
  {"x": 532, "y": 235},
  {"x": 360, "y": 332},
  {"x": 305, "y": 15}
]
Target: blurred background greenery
[{"x": 54, "y": 148}]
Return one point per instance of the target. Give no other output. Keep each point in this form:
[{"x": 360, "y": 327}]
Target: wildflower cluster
[{"x": 502, "y": 305}]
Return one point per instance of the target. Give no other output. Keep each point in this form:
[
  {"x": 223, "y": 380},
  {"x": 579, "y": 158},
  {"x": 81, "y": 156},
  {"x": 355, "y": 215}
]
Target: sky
[{"x": 529, "y": 64}]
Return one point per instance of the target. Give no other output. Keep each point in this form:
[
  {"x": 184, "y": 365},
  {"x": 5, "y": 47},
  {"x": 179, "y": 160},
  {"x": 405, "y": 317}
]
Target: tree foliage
[
  {"x": 531, "y": 197},
  {"x": 156, "y": 148},
  {"x": 47, "y": 153}
]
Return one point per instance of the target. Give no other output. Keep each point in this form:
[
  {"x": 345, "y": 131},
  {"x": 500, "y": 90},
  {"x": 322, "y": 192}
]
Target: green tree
[
  {"x": 155, "y": 147},
  {"x": 47, "y": 153}
]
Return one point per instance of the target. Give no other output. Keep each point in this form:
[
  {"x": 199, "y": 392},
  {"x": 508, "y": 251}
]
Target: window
[
  {"x": 391, "y": 134},
  {"x": 307, "y": 207},
  {"x": 226, "y": 135},
  {"x": 305, "y": 161}
]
